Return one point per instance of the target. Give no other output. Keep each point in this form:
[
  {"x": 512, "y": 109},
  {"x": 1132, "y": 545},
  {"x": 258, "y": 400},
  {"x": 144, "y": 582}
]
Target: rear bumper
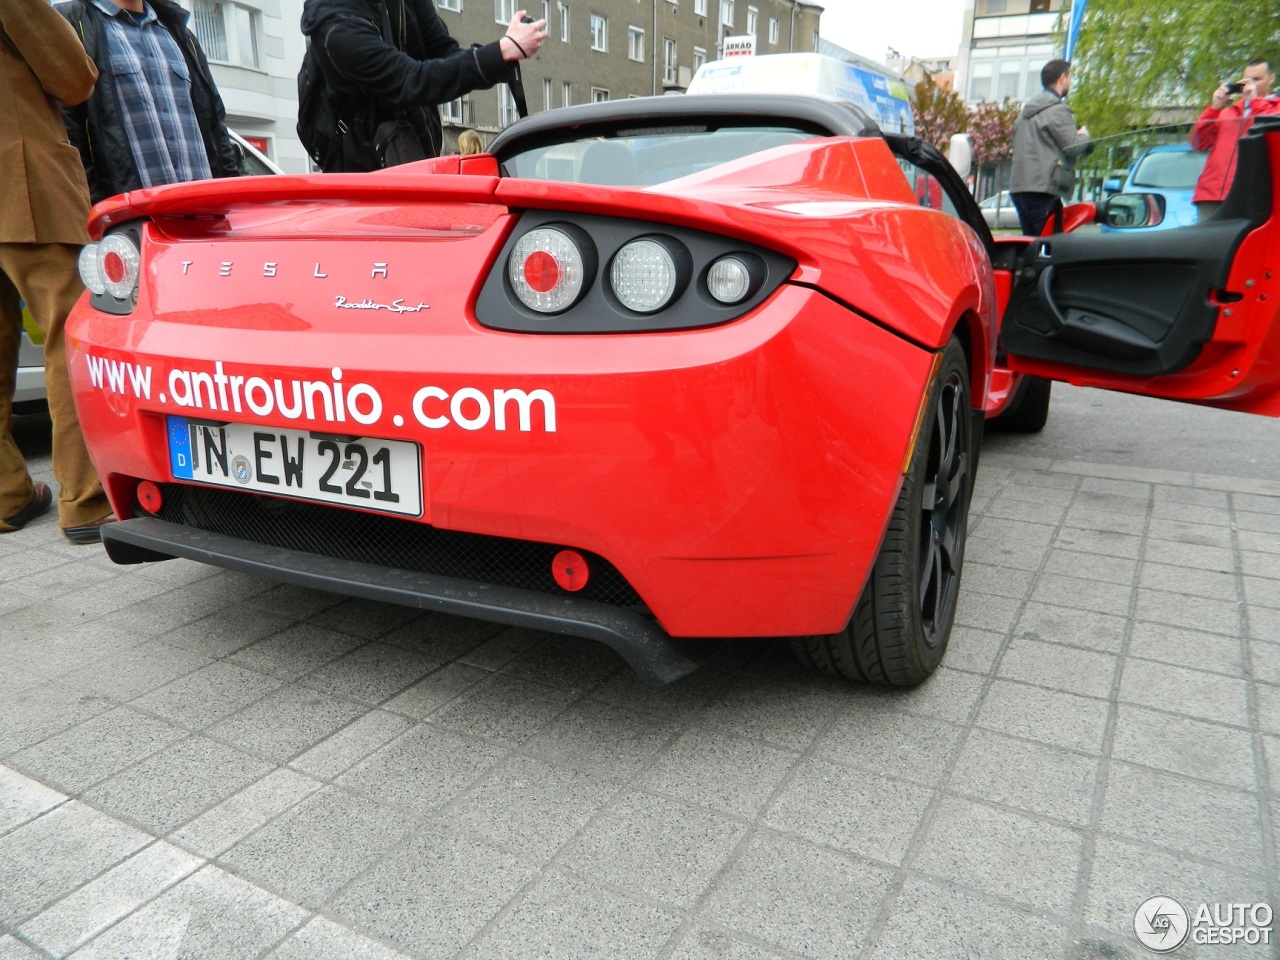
[
  {"x": 649, "y": 651},
  {"x": 738, "y": 477}
]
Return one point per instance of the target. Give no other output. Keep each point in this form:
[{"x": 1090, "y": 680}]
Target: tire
[
  {"x": 901, "y": 624},
  {"x": 1028, "y": 411}
]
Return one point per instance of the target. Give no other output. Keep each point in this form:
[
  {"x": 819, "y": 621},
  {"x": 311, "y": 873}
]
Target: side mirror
[
  {"x": 960, "y": 153},
  {"x": 1130, "y": 211}
]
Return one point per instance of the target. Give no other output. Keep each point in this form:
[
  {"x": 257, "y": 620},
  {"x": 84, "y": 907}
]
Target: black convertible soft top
[{"x": 818, "y": 115}]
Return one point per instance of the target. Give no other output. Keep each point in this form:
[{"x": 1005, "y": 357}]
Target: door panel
[{"x": 1189, "y": 314}]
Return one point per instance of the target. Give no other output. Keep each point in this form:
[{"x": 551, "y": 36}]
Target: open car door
[{"x": 1189, "y": 314}]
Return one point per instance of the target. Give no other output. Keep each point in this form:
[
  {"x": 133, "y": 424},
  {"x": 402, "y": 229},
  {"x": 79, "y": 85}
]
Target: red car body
[{"x": 736, "y": 479}]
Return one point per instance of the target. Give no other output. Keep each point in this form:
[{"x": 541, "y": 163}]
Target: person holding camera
[
  {"x": 389, "y": 64},
  {"x": 1046, "y": 143},
  {"x": 1225, "y": 120}
]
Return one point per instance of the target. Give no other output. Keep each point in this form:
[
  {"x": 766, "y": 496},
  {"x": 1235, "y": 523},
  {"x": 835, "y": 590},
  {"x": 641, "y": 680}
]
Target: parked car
[
  {"x": 999, "y": 213},
  {"x": 563, "y": 386},
  {"x": 1169, "y": 171},
  {"x": 29, "y": 393},
  {"x": 253, "y": 161}
]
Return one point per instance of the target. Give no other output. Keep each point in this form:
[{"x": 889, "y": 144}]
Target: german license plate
[{"x": 383, "y": 475}]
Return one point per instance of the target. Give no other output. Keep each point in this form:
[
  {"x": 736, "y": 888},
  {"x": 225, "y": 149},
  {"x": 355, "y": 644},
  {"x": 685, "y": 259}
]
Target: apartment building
[
  {"x": 597, "y": 50},
  {"x": 1003, "y": 47}
]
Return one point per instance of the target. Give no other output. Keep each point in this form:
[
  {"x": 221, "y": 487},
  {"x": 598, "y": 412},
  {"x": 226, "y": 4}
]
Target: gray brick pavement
[{"x": 197, "y": 763}]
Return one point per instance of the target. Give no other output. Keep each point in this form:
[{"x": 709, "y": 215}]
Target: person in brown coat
[{"x": 44, "y": 205}]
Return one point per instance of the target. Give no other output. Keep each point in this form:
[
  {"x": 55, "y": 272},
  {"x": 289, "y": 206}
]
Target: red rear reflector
[
  {"x": 570, "y": 570},
  {"x": 149, "y": 497},
  {"x": 113, "y": 267},
  {"x": 541, "y": 271}
]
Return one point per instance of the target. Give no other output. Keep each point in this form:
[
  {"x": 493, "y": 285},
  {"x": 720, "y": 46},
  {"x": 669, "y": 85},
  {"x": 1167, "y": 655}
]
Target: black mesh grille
[{"x": 385, "y": 541}]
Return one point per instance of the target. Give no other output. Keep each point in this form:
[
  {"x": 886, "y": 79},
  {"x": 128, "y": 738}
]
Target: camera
[{"x": 1235, "y": 87}]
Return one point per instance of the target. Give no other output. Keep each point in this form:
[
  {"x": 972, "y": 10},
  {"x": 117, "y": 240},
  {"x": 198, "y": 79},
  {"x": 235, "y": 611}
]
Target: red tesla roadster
[{"x": 653, "y": 369}]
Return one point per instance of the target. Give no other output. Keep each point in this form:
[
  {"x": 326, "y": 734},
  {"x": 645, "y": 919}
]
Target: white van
[{"x": 881, "y": 96}]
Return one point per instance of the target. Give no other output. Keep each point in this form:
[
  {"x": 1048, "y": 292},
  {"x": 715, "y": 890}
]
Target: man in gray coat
[{"x": 1046, "y": 143}]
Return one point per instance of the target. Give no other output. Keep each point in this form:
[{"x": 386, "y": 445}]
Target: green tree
[
  {"x": 1140, "y": 63},
  {"x": 938, "y": 113}
]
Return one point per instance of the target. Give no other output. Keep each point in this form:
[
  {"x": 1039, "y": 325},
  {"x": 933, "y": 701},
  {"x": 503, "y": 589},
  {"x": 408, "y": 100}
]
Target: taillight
[
  {"x": 548, "y": 269},
  {"x": 592, "y": 274},
  {"x": 110, "y": 269},
  {"x": 647, "y": 274},
  {"x": 730, "y": 279},
  {"x": 119, "y": 259},
  {"x": 91, "y": 270}
]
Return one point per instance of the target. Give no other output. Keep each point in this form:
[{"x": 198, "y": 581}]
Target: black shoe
[
  {"x": 90, "y": 532},
  {"x": 41, "y": 498}
]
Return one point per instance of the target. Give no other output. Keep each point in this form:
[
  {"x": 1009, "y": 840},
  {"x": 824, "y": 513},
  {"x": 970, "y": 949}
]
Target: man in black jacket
[
  {"x": 385, "y": 60},
  {"x": 156, "y": 116}
]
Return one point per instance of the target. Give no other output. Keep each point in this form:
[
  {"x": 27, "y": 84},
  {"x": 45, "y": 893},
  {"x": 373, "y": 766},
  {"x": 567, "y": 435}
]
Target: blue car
[{"x": 1170, "y": 171}]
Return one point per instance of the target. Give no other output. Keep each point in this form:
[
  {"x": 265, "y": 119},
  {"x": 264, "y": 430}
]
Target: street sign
[{"x": 743, "y": 46}]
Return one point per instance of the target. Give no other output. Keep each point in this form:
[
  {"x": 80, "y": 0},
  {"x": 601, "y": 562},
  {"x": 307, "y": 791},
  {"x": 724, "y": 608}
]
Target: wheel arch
[{"x": 972, "y": 334}]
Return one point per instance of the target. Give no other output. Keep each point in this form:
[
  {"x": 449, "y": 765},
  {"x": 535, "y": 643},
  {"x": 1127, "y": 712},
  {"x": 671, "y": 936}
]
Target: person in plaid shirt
[{"x": 156, "y": 116}]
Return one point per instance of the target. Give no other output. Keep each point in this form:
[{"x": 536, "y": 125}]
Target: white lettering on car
[{"x": 327, "y": 401}]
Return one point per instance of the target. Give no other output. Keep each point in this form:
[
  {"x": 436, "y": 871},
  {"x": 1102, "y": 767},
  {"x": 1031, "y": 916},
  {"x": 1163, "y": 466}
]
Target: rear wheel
[
  {"x": 900, "y": 626},
  {"x": 1028, "y": 411}
]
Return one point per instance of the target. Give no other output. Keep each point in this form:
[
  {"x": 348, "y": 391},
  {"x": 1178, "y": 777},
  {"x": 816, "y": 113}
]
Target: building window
[
  {"x": 753, "y": 20},
  {"x": 454, "y": 5},
  {"x": 980, "y": 74},
  {"x": 700, "y": 7},
  {"x": 564, "y": 22},
  {"x": 599, "y": 95},
  {"x": 507, "y": 113},
  {"x": 668, "y": 61},
  {"x": 451, "y": 112},
  {"x": 726, "y": 12},
  {"x": 773, "y": 30},
  {"x": 546, "y": 93},
  {"x": 504, "y": 10},
  {"x": 566, "y": 94},
  {"x": 635, "y": 44},
  {"x": 546, "y": 10},
  {"x": 599, "y": 33},
  {"x": 699, "y": 57},
  {"x": 1039, "y": 6},
  {"x": 228, "y": 32},
  {"x": 994, "y": 6},
  {"x": 1010, "y": 81}
]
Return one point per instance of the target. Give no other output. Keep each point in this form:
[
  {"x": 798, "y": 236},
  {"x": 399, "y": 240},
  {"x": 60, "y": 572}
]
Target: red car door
[{"x": 1191, "y": 314}]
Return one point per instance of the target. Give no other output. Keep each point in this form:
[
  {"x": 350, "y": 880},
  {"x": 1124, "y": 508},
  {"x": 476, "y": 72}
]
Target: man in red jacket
[{"x": 1220, "y": 128}]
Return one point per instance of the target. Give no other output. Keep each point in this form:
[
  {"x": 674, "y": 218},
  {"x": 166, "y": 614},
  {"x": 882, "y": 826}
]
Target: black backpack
[{"x": 319, "y": 128}]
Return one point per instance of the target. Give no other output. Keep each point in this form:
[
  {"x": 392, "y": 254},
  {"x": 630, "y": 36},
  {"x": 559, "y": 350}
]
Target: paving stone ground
[{"x": 196, "y": 763}]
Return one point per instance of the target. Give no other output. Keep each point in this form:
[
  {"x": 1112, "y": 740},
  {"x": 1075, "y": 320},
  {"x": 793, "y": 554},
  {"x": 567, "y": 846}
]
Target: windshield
[
  {"x": 648, "y": 157},
  {"x": 1169, "y": 170}
]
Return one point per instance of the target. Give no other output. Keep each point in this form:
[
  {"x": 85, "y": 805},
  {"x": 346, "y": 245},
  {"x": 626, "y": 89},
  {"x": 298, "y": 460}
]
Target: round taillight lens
[
  {"x": 113, "y": 267},
  {"x": 729, "y": 280},
  {"x": 547, "y": 270},
  {"x": 569, "y": 568},
  {"x": 643, "y": 276},
  {"x": 91, "y": 271},
  {"x": 118, "y": 261}
]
